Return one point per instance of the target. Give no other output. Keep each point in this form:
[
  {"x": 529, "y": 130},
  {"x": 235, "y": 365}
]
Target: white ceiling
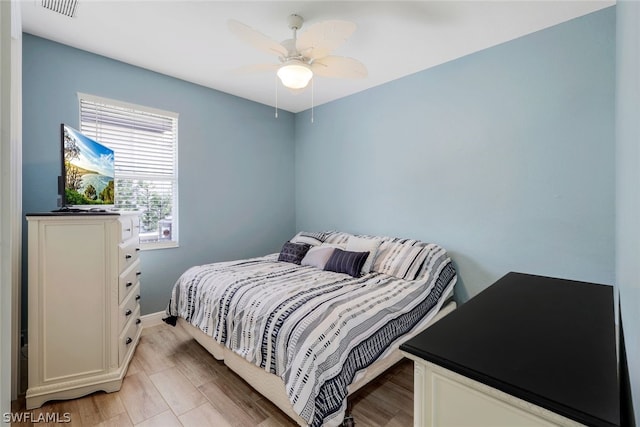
[{"x": 190, "y": 40}]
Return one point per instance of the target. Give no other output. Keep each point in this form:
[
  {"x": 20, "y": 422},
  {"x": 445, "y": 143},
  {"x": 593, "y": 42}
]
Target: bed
[{"x": 307, "y": 327}]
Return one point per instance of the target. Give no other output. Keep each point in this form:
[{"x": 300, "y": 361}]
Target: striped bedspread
[{"x": 313, "y": 328}]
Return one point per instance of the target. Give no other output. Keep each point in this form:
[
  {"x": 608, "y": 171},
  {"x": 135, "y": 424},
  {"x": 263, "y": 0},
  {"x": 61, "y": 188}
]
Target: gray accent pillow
[
  {"x": 346, "y": 262},
  {"x": 293, "y": 252}
]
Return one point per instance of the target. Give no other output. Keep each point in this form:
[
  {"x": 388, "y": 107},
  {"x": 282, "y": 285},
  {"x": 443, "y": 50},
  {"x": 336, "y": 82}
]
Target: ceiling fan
[{"x": 303, "y": 57}]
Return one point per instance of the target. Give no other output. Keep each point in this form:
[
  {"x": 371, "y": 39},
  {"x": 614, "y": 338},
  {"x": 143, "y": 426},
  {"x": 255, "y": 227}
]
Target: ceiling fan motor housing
[{"x": 295, "y": 22}]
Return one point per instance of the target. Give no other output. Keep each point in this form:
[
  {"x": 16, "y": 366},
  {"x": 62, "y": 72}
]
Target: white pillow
[
  {"x": 310, "y": 238},
  {"x": 358, "y": 244},
  {"x": 317, "y": 256},
  {"x": 400, "y": 260},
  {"x": 342, "y": 246}
]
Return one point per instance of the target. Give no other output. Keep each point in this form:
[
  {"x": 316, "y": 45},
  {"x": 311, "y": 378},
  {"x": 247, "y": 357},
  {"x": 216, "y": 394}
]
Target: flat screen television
[{"x": 88, "y": 171}]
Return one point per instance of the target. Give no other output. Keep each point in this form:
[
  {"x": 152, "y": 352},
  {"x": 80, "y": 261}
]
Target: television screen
[{"x": 88, "y": 170}]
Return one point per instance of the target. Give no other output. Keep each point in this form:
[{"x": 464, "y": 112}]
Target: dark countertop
[{"x": 548, "y": 341}]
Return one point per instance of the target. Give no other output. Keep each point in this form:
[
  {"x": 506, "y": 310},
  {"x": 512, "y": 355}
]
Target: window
[{"x": 145, "y": 141}]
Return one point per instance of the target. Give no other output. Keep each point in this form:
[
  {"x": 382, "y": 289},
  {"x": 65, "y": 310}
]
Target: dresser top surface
[
  {"x": 80, "y": 213},
  {"x": 548, "y": 341}
]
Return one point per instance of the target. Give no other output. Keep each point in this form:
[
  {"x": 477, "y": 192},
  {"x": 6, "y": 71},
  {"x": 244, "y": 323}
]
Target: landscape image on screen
[{"x": 89, "y": 170}]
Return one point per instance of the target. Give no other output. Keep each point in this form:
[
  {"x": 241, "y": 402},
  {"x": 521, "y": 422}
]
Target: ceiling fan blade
[
  {"x": 256, "y": 38},
  {"x": 322, "y": 38},
  {"x": 339, "y": 67}
]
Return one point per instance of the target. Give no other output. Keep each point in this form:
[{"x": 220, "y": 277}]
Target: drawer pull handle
[
  {"x": 138, "y": 273},
  {"x": 127, "y": 256},
  {"x": 127, "y": 313},
  {"x": 137, "y": 249},
  {"x": 138, "y": 321},
  {"x": 127, "y": 229},
  {"x": 137, "y": 297},
  {"x": 129, "y": 284},
  {"x": 128, "y": 341}
]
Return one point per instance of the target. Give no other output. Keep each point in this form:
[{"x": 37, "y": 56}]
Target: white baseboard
[{"x": 153, "y": 319}]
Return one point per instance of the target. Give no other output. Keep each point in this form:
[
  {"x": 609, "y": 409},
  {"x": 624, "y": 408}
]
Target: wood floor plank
[
  {"x": 120, "y": 420},
  {"x": 196, "y": 367},
  {"x": 163, "y": 419},
  {"x": 177, "y": 390},
  {"x": 109, "y": 405},
  {"x": 273, "y": 422},
  {"x": 89, "y": 411},
  {"x": 403, "y": 374},
  {"x": 241, "y": 413},
  {"x": 237, "y": 388},
  {"x": 141, "y": 398},
  {"x": 134, "y": 366},
  {"x": 392, "y": 398},
  {"x": 368, "y": 411},
  {"x": 402, "y": 419},
  {"x": 275, "y": 417},
  {"x": 204, "y": 416},
  {"x": 151, "y": 356},
  {"x": 165, "y": 339}
]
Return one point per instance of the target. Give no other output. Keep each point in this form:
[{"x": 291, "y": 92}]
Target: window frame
[{"x": 88, "y": 98}]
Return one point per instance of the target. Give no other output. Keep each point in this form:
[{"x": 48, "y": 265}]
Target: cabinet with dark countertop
[{"x": 528, "y": 350}]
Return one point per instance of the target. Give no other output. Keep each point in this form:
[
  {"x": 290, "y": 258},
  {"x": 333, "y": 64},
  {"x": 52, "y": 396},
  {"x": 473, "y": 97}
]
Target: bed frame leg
[{"x": 348, "y": 418}]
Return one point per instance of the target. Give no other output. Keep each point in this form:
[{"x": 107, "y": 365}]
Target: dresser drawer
[
  {"x": 130, "y": 305},
  {"x": 128, "y": 280},
  {"x": 128, "y": 253},
  {"x": 128, "y": 337},
  {"x": 126, "y": 226}
]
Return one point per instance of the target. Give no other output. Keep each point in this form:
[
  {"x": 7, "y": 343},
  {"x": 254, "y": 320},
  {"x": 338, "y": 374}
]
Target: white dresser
[
  {"x": 527, "y": 351},
  {"x": 83, "y": 303}
]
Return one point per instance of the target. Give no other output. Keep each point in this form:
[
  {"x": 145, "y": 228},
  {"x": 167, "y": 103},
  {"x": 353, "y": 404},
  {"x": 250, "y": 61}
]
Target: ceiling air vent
[{"x": 65, "y": 7}]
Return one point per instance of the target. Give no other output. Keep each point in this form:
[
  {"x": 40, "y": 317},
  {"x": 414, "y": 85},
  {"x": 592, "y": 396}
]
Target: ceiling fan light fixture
[{"x": 295, "y": 74}]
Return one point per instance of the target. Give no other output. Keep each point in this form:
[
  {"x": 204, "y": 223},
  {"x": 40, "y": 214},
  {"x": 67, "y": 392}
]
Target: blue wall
[
  {"x": 235, "y": 160},
  {"x": 627, "y": 189},
  {"x": 504, "y": 157}
]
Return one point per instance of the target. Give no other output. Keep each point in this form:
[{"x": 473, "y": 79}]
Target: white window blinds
[{"x": 145, "y": 144}]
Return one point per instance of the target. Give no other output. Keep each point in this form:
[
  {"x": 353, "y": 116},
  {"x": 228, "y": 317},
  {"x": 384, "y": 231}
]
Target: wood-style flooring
[{"x": 173, "y": 381}]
